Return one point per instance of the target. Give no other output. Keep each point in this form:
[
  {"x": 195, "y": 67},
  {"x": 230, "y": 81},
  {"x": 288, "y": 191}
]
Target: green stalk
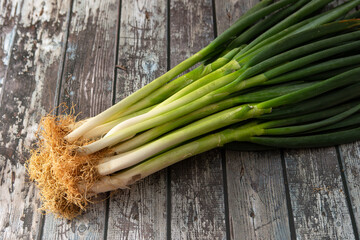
[
  {"x": 300, "y": 51},
  {"x": 307, "y": 127},
  {"x": 186, "y": 64},
  {"x": 307, "y": 24},
  {"x": 263, "y": 94},
  {"x": 241, "y": 84},
  {"x": 259, "y": 95},
  {"x": 265, "y": 24},
  {"x": 246, "y": 50},
  {"x": 316, "y": 104},
  {"x": 102, "y": 129},
  {"x": 312, "y": 73},
  {"x": 320, "y": 140},
  {"x": 299, "y": 38},
  {"x": 216, "y": 69},
  {"x": 311, "y": 58},
  {"x": 129, "y": 176},
  {"x": 344, "y": 79},
  {"x": 332, "y": 15},
  {"x": 221, "y": 72},
  {"x": 200, "y": 127},
  {"x": 331, "y": 73},
  {"x": 170, "y": 125},
  {"x": 296, "y": 17},
  {"x": 198, "y": 94},
  {"x": 201, "y": 97},
  {"x": 311, "y": 117},
  {"x": 125, "y": 132},
  {"x": 351, "y": 121},
  {"x": 250, "y": 132},
  {"x": 278, "y": 59}
]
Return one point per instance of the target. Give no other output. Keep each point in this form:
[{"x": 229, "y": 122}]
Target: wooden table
[{"x": 94, "y": 53}]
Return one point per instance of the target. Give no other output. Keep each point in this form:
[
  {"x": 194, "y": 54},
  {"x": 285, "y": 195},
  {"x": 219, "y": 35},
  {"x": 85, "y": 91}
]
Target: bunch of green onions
[{"x": 281, "y": 76}]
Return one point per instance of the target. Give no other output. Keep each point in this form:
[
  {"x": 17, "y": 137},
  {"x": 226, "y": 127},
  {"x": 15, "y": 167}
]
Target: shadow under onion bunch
[{"x": 283, "y": 75}]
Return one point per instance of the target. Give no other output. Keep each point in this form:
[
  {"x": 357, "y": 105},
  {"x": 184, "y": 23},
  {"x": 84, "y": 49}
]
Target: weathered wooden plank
[
  {"x": 8, "y": 18},
  {"x": 317, "y": 195},
  {"x": 87, "y": 81},
  {"x": 197, "y": 198},
  {"x": 256, "y": 191},
  {"x": 228, "y": 11},
  {"x": 29, "y": 90},
  {"x": 90, "y": 57},
  {"x": 140, "y": 212},
  {"x": 197, "y": 203},
  {"x": 257, "y": 201},
  {"x": 350, "y": 157}
]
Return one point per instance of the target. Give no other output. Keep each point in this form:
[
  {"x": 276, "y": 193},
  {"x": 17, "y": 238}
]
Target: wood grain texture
[
  {"x": 140, "y": 212},
  {"x": 256, "y": 191},
  {"x": 90, "y": 57},
  {"x": 350, "y": 156},
  {"x": 8, "y": 18},
  {"x": 317, "y": 195},
  {"x": 197, "y": 198},
  {"x": 228, "y": 11},
  {"x": 256, "y": 194},
  {"x": 29, "y": 91},
  {"x": 87, "y": 81},
  {"x": 197, "y": 203}
]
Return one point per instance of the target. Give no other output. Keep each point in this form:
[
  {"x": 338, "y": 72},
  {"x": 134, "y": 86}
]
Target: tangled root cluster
[{"x": 62, "y": 175}]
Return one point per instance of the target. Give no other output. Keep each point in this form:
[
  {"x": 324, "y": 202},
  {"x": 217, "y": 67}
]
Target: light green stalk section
[
  {"x": 136, "y": 96},
  {"x": 223, "y": 87},
  {"x": 132, "y": 129},
  {"x": 210, "y": 70},
  {"x": 102, "y": 129},
  {"x": 198, "y": 93},
  {"x": 235, "y": 29},
  {"x": 125, "y": 178},
  {"x": 228, "y": 68},
  {"x": 170, "y": 125},
  {"x": 259, "y": 95},
  {"x": 198, "y": 128}
]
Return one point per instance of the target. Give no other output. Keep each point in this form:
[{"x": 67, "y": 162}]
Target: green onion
[
  {"x": 239, "y": 26},
  {"x": 280, "y": 76}
]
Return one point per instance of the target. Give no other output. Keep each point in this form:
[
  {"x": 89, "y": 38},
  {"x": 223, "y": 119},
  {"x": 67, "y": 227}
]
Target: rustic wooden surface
[
  {"x": 90, "y": 56},
  {"x": 29, "y": 89},
  {"x": 197, "y": 204},
  {"x": 140, "y": 212},
  {"x": 67, "y": 51}
]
